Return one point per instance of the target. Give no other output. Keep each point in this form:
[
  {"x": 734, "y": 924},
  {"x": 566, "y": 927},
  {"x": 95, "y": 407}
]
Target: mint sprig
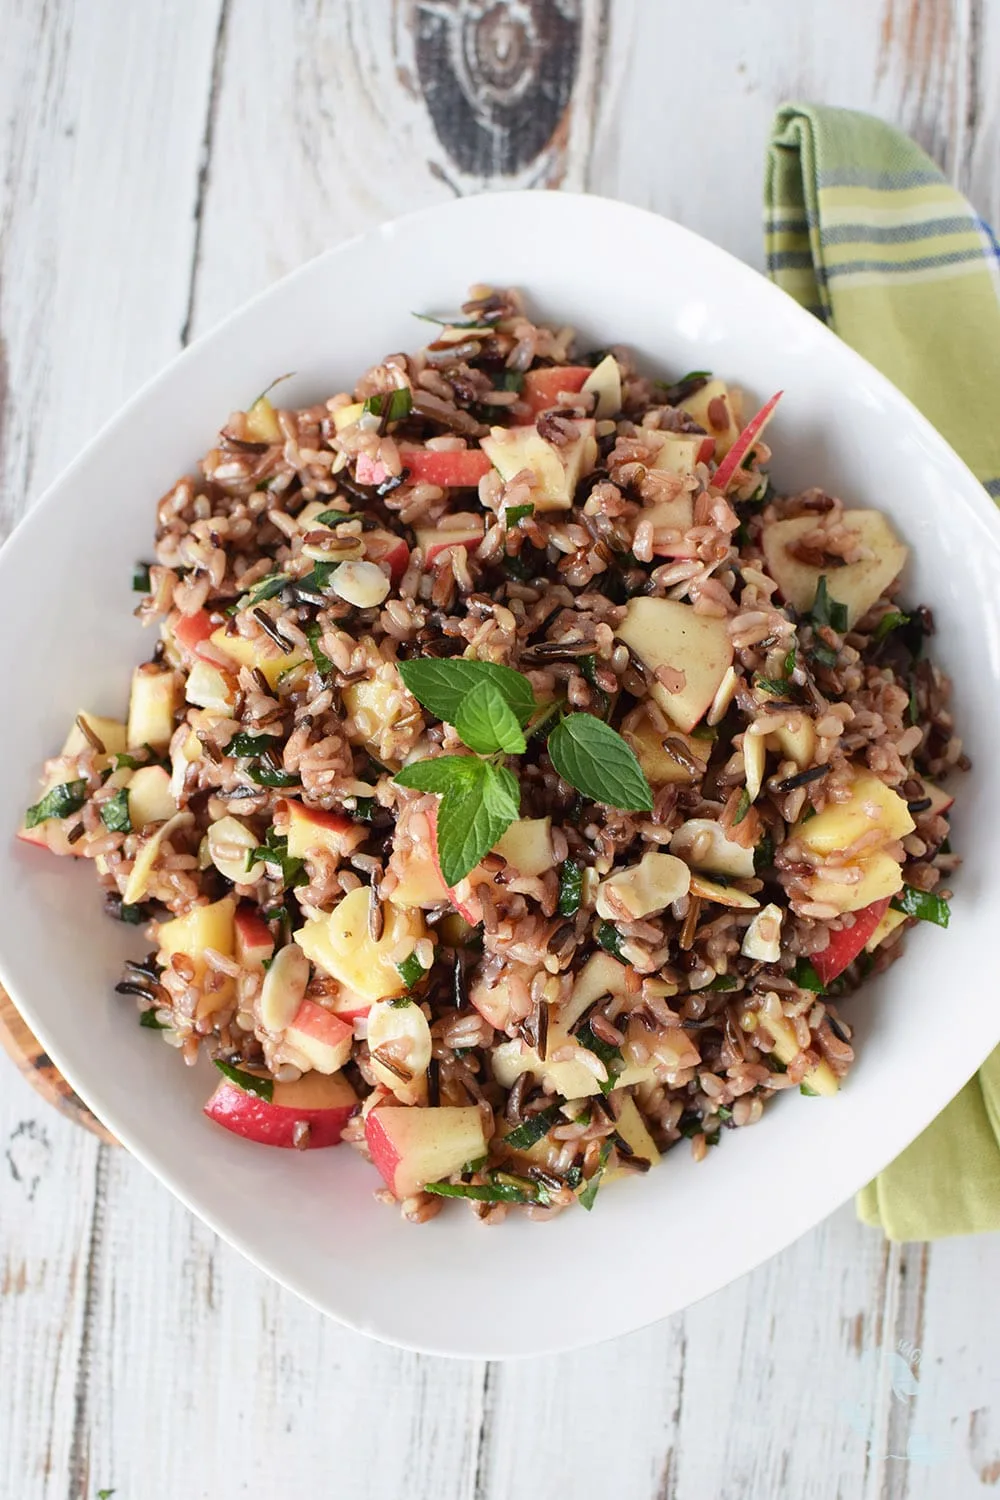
[
  {"x": 479, "y": 801},
  {"x": 592, "y": 757},
  {"x": 486, "y": 722},
  {"x": 442, "y": 685}
]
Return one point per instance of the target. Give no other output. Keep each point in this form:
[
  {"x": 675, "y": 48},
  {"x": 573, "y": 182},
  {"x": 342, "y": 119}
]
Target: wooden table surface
[{"x": 162, "y": 161}]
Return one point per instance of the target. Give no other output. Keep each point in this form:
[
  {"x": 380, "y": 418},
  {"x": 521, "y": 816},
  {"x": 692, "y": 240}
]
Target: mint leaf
[
  {"x": 591, "y": 756},
  {"x": 486, "y": 722},
  {"x": 62, "y": 800},
  {"x": 589, "y": 1191},
  {"x": 442, "y": 686},
  {"x": 114, "y": 813},
  {"x": 923, "y": 905},
  {"x": 392, "y": 405},
  {"x": 888, "y": 623},
  {"x": 827, "y": 611},
  {"x": 313, "y": 634},
  {"x": 472, "y": 818},
  {"x": 263, "y": 1088},
  {"x": 446, "y": 773}
]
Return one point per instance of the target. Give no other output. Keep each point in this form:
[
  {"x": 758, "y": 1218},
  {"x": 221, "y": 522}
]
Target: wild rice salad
[{"x": 517, "y": 780}]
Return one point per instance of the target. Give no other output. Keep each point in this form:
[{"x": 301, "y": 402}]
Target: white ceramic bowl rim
[{"x": 672, "y": 1238}]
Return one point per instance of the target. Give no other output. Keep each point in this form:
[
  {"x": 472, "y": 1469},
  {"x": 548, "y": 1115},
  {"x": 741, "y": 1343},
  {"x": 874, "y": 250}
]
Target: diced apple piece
[
  {"x": 259, "y": 652},
  {"x": 150, "y": 799},
  {"x": 399, "y": 1044},
  {"x": 725, "y": 432},
  {"x": 462, "y": 895},
  {"x": 411, "y": 1147},
  {"x": 666, "y": 633},
  {"x": 110, "y": 732},
  {"x": 203, "y": 927},
  {"x": 941, "y": 801},
  {"x": 659, "y": 766},
  {"x": 389, "y": 551},
  {"x": 643, "y": 889},
  {"x": 600, "y": 975},
  {"x": 346, "y": 416},
  {"x": 556, "y": 472},
  {"x": 420, "y": 881},
  {"x": 675, "y": 515},
  {"x": 188, "y": 633},
  {"x": 821, "y": 1078},
  {"x": 889, "y": 921},
  {"x": 323, "y": 1038},
  {"x": 342, "y": 946},
  {"x": 375, "y": 706},
  {"x": 681, "y": 452},
  {"x": 151, "y": 708},
  {"x": 138, "y": 881},
  {"x": 185, "y": 751},
  {"x": 872, "y": 879},
  {"x": 527, "y": 846},
  {"x": 349, "y": 1006},
  {"x": 208, "y": 687},
  {"x": 323, "y": 1103},
  {"x": 313, "y": 828},
  {"x": 254, "y": 942},
  {"x": 635, "y": 1133},
  {"x": 871, "y": 806},
  {"x": 543, "y": 388},
  {"x": 452, "y": 468},
  {"x": 570, "y": 1079},
  {"x": 856, "y": 585},
  {"x": 795, "y": 740},
  {"x": 284, "y": 988},
  {"x": 702, "y": 843},
  {"x": 605, "y": 382},
  {"x": 434, "y": 539},
  {"x": 726, "y": 472},
  {"x": 262, "y": 425}
]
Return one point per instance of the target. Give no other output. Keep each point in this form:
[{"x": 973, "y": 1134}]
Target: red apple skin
[
  {"x": 706, "y": 450},
  {"x": 325, "y": 1027},
  {"x": 190, "y": 631},
  {"x": 273, "y": 1123},
  {"x": 460, "y": 469},
  {"x": 437, "y": 541},
  {"x": 348, "y": 1006},
  {"x": 383, "y": 547},
  {"x": 845, "y": 945},
  {"x": 738, "y": 452},
  {"x": 254, "y": 942},
  {"x": 39, "y": 835},
  {"x": 383, "y": 1151},
  {"x": 542, "y": 387}
]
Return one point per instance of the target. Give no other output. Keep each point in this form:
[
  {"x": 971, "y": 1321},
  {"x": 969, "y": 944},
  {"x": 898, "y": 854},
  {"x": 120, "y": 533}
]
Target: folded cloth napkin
[{"x": 863, "y": 230}]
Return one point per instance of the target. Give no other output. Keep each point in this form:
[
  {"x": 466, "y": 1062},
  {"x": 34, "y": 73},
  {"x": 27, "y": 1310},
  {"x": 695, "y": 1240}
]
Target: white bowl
[{"x": 652, "y": 1245}]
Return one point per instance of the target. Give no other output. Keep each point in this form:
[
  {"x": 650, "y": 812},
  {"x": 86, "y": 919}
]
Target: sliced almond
[
  {"x": 762, "y": 939},
  {"x": 640, "y": 890},
  {"x": 723, "y": 895},
  {"x": 284, "y": 987}
]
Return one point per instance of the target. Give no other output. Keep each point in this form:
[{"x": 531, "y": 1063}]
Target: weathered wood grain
[
  {"x": 38, "y": 1069},
  {"x": 187, "y": 154}
]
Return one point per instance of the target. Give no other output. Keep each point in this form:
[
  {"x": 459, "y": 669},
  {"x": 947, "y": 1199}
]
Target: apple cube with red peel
[
  {"x": 389, "y": 551},
  {"x": 411, "y": 1147},
  {"x": 542, "y": 388},
  {"x": 846, "y": 943},
  {"x": 856, "y": 585},
  {"x": 254, "y": 942},
  {"x": 190, "y": 632},
  {"x": 697, "y": 648},
  {"x": 420, "y": 880},
  {"x": 341, "y": 945},
  {"x": 726, "y": 471},
  {"x": 718, "y": 409},
  {"x": 312, "y": 828},
  {"x": 323, "y": 1038},
  {"x": 454, "y": 531},
  {"x": 349, "y": 1006},
  {"x": 452, "y": 468},
  {"x": 323, "y": 1103},
  {"x": 555, "y": 471}
]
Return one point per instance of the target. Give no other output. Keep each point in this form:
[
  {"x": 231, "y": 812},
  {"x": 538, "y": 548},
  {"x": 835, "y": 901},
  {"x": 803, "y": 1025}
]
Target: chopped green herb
[
  {"x": 763, "y": 854},
  {"x": 141, "y": 582},
  {"x": 724, "y": 1113},
  {"x": 364, "y": 809},
  {"x": 486, "y": 1192},
  {"x": 588, "y": 666},
  {"x": 570, "y": 888},
  {"x": 589, "y": 1192},
  {"x": 274, "y": 853},
  {"x": 923, "y": 905},
  {"x": 411, "y": 972},
  {"x": 823, "y": 654},
  {"x": 776, "y": 686},
  {"x": 531, "y": 1130},
  {"x": 114, "y": 812},
  {"x": 393, "y": 406},
  {"x": 275, "y": 914},
  {"x": 60, "y": 802},
  {"x": 263, "y": 1088},
  {"x": 806, "y": 978},
  {"x": 267, "y": 776},
  {"x": 742, "y": 806},
  {"x": 888, "y": 623},
  {"x": 515, "y": 513},
  {"x": 105, "y": 1494},
  {"x": 827, "y": 611},
  {"x": 318, "y": 580},
  {"x": 704, "y": 732},
  {"x": 789, "y": 662},
  {"x": 132, "y": 916},
  {"x": 148, "y": 1019},
  {"x": 594, "y": 759},
  {"x": 244, "y": 745},
  {"x": 313, "y": 634},
  {"x": 610, "y": 1056},
  {"x": 723, "y": 982},
  {"x": 267, "y": 588},
  {"x": 610, "y": 939},
  {"x": 809, "y": 1092},
  {"x": 126, "y": 762},
  {"x": 338, "y": 517},
  {"x": 511, "y": 380}
]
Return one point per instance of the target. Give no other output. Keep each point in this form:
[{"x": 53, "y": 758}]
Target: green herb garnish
[
  {"x": 479, "y": 801},
  {"x": 515, "y": 513},
  {"x": 274, "y": 852},
  {"x": 888, "y": 623},
  {"x": 313, "y": 634},
  {"x": 806, "y": 978},
  {"x": 610, "y": 939},
  {"x": 827, "y": 611},
  {"x": 743, "y": 806},
  {"x": 126, "y": 762},
  {"x": 531, "y": 1130},
  {"x": 267, "y": 588},
  {"x": 411, "y": 972},
  {"x": 244, "y": 745},
  {"x": 503, "y": 1190},
  {"x": 589, "y": 1192},
  {"x": 148, "y": 1019},
  {"x": 318, "y": 580},
  {"x": 486, "y": 722},
  {"x": 441, "y": 686},
  {"x": 263, "y": 1088},
  {"x": 789, "y": 662},
  {"x": 723, "y": 982},
  {"x": 132, "y": 916},
  {"x": 269, "y": 776},
  {"x": 570, "y": 888},
  {"x": 823, "y": 654},
  {"x": 392, "y": 406},
  {"x": 141, "y": 582},
  {"x": 60, "y": 802},
  {"x": 923, "y": 905},
  {"x": 609, "y": 1055},
  {"x": 763, "y": 854},
  {"x": 592, "y": 757},
  {"x": 776, "y": 686},
  {"x": 809, "y": 1092},
  {"x": 115, "y": 813}
]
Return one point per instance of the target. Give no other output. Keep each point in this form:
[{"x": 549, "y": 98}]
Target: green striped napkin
[{"x": 864, "y": 230}]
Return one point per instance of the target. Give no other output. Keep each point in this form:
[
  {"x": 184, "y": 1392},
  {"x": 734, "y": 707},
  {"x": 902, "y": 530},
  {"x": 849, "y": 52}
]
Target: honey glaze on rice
[{"x": 607, "y": 971}]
